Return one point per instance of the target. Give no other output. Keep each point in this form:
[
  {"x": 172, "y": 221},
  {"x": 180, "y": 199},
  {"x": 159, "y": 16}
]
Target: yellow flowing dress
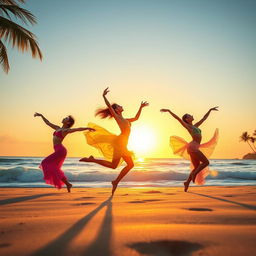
[{"x": 111, "y": 146}]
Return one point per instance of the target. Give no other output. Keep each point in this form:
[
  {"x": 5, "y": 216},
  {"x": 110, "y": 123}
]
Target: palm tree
[
  {"x": 15, "y": 34},
  {"x": 246, "y": 138},
  {"x": 252, "y": 140}
]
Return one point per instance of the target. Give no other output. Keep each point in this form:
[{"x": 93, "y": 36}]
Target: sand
[{"x": 136, "y": 221}]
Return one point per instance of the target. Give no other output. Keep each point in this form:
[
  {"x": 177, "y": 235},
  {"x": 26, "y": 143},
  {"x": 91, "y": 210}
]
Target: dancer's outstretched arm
[
  {"x": 112, "y": 111},
  {"x": 71, "y": 130},
  {"x": 176, "y": 117},
  {"x": 53, "y": 126},
  {"x": 142, "y": 105},
  {"x": 206, "y": 116}
]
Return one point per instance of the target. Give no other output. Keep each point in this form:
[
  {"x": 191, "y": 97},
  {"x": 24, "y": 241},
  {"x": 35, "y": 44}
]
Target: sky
[{"x": 185, "y": 55}]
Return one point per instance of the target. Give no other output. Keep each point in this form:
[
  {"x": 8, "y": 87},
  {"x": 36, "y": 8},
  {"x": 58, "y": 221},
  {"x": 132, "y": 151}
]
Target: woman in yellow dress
[
  {"x": 113, "y": 147},
  {"x": 197, "y": 153}
]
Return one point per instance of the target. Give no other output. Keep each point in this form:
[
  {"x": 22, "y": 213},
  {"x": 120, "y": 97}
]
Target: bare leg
[
  {"x": 195, "y": 161},
  {"x": 69, "y": 185},
  {"x": 124, "y": 171},
  {"x": 105, "y": 163},
  {"x": 204, "y": 162}
]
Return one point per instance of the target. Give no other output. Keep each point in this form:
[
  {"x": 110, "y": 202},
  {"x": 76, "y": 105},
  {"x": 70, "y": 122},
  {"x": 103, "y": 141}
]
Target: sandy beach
[{"x": 136, "y": 221}]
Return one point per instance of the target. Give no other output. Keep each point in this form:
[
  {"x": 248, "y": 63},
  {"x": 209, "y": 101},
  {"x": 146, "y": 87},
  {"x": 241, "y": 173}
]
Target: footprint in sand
[
  {"x": 136, "y": 202},
  {"x": 228, "y": 195},
  {"x": 151, "y": 192},
  {"x": 200, "y": 209},
  {"x": 144, "y": 201},
  {"x": 5, "y": 245},
  {"x": 84, "y": 197},
  {"x": 166, "y": 247},
  {"x": 83, "y": 204}
]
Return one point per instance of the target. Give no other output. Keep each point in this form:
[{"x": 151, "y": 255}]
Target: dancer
[
  {"x": 113, "y": 147},
  {"x": 193, "y": 151},
  {"x": 52, "y": 164}
]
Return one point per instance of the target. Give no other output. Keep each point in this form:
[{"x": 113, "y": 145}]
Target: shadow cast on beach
[
  {"x": 247, "y": 206},
  {"x": 102, "y": 244},
  {"x": 60, "y": 244},
  {"x": 23, "y": 198}
]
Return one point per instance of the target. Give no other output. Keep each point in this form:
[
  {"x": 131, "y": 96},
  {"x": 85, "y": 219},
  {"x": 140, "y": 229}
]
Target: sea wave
[{"x": 22, "y": 174}]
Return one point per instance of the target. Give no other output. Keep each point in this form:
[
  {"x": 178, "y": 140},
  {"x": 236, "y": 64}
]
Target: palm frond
[
  {"x": 245, "y": 136},
  {"x": 4, "y": 57},
  {"x": 19, "y": 37},
  {"x": 12, "y": 2},
  {"x": 252, "y": 139},
  {"x": 24, "y": 15}
]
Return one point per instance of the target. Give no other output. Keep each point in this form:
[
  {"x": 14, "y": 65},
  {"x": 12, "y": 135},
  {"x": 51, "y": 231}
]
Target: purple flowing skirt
[{"x": 51, "y": 166}]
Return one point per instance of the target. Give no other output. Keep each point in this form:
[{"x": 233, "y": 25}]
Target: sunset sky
[{"x": 188, "y": 56}]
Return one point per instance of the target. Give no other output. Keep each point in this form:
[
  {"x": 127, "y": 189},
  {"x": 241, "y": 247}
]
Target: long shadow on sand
[
  {"x": 102, "y": 244},
  {"x": 247, "y": 206},
  {"x": 23, "y": 198},
  {"x": 60, "y": 244}
]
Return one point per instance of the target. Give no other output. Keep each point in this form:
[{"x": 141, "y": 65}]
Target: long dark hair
[{"x": 105, "y": 112}]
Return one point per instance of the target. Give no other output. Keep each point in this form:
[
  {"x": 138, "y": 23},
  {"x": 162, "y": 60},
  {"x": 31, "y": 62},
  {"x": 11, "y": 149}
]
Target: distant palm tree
[
  {"x": 246, "y": 138},
  {"x": 252, "y": 140},
  {"x": 15, "y": 34}
]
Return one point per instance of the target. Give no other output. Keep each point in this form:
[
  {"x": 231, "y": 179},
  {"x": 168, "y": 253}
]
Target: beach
[{"x": 208, "y": 220}]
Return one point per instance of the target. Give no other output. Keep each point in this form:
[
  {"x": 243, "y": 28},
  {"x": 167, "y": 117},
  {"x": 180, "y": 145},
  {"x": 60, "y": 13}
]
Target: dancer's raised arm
[
  {"x": 206, "y": 116},
  {"x": 112, "y": 111},
  {"x": 142, "y": 105},
  {"x": 53, "y": 126},
  {"x": 176, "y": 117}
]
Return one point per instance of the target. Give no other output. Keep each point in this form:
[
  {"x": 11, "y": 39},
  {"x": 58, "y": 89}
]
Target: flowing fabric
[
  {"x": 182, "y": 148},
  {"x": 51, "y": 167},
  {"x": 110, "y": 145}
]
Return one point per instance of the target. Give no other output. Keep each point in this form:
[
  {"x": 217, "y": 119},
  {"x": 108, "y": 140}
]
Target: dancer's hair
[
  {"x": 185, "y": 117},
  {"x": 71, "y": 121},
  {"x": 105, "y": 112}
]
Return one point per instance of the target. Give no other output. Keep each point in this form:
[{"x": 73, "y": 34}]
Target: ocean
[{"x": 24, "y": 172}]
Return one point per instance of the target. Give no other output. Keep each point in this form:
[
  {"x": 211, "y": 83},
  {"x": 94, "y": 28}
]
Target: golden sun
[{"x": 142, "y": 140}]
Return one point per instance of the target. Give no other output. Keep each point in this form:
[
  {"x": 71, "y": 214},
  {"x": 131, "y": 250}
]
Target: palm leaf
[
  {"x": 245, "y": 136},
  {"x": 11, "y": 2},
  {"x": 19, "y": 37},
  {"x": 4, "y": 57},
  {"x": 18, "y": 12},
  {"x": 252, "y": 139}
]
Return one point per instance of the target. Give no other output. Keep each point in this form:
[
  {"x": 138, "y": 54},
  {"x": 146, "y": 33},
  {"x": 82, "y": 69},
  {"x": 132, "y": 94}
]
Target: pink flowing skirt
[
  {"x": 51, "y": 166},
  {"x": 182, "y": 148}
]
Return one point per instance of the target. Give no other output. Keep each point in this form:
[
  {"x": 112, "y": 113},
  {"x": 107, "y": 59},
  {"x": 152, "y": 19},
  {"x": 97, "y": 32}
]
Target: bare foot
[
  {"x": 69, "y": 186},
  {"x": 186, "y": 185},
  {"x": 87, "y": 159},
  {"x": 114, "y": 186}
]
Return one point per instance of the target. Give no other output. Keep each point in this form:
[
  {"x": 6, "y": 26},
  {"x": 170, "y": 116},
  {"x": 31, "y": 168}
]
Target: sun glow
[{"x": 142, "y": 140}]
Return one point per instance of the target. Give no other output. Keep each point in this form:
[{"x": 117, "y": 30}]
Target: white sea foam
[{"x": 25, "y": 172}]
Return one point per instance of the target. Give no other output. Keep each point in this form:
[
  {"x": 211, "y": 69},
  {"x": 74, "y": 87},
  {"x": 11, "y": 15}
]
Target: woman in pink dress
[
  {"x": 51, "y": 165},
  {"x": 194, "y": 151}
]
